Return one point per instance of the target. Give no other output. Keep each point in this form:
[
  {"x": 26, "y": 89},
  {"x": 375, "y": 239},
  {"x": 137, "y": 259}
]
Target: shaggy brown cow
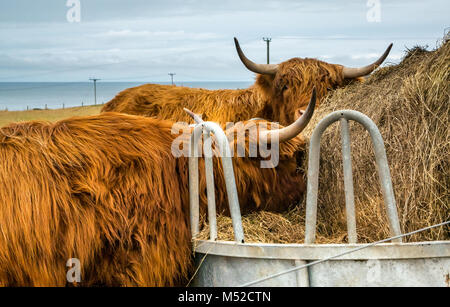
[
  {"x": 107, "y": 189},
  {"x": 280, "y": 91}
]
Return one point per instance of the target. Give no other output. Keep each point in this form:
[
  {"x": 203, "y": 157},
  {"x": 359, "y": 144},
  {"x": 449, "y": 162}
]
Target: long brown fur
[
  {"x": 276, "y": 98},
  {"x": 107, "y": 190}
]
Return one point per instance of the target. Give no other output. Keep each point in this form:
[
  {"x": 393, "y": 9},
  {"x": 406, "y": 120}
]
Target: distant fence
[{"x": 54, "y": 107}]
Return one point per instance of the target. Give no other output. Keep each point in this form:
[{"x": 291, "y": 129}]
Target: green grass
[{"x": 7, "y": 117}]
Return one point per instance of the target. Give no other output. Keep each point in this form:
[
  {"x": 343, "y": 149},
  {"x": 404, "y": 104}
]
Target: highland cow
[
  {"x": 108, "y": 190},
  {"x": 280, "y": 92}
]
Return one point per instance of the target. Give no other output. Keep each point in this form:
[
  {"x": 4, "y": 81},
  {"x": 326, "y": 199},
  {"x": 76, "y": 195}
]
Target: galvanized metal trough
[{"x": 238, "y": 263}]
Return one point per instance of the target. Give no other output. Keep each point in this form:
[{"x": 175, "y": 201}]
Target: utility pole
[
  {"x": 171, "y": 74},
  {"x": 95, "y": 88},
  {"x": 268, "y": 40}
]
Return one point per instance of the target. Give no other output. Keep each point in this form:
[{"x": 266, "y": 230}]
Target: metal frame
[
  {"x": 235, "y": 263},
  {"x": 225, "y": 153},
  {"x": 310, "y": 252},
  {"x": 382, "y": 166},
  {"x": 231, "y": 264}
]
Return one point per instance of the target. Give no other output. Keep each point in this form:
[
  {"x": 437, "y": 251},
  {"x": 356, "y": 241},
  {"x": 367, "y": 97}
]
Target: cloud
[
  {"x": 162, "y": 35},
  {"x": 194, "y": 38}
]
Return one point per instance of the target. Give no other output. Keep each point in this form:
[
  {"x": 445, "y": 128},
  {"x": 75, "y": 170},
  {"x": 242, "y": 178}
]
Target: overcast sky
[{"x": 144, "y": 40}]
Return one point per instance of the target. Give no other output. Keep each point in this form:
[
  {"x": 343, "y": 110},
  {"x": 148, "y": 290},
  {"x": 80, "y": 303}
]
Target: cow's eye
[{"x": 285, "y": 87}]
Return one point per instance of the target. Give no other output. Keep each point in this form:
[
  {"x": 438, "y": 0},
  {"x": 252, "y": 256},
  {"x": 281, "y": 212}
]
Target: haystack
[{"x": 410, "y": 104}]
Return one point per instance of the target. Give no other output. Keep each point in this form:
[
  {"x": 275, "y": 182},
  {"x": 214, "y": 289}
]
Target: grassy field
[{"x": 7, "y": 117}]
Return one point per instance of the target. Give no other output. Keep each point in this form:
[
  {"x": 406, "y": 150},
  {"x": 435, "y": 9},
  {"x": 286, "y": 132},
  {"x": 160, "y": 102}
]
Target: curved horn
[
  {"x": 195, "y": 117},
  {"x": 264, "y": 69},
  {"x": 291, "y": 131},
  {"x": 364, "y": 71}
]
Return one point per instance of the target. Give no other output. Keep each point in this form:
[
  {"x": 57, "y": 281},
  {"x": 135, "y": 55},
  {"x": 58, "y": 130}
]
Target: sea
[{"x": 18, "y": 96}]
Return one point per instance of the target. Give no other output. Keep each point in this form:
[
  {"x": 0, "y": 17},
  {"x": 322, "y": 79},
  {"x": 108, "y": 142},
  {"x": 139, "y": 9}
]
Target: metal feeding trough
[{"x": 248, "y": 264}]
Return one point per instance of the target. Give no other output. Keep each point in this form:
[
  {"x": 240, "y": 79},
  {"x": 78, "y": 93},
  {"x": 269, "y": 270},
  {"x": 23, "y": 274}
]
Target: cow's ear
[{"x": 299, "y": 112}]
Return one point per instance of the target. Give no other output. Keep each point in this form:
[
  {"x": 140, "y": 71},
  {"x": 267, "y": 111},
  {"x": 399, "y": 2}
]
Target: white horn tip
[{"x": 194, "y": 116}]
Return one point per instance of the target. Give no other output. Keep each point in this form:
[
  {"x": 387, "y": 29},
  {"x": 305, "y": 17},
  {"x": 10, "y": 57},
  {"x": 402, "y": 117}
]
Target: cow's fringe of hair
[{"x": 291, "y": 88}]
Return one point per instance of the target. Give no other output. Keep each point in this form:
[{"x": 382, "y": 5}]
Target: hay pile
[{"x": 410, "y": 104}]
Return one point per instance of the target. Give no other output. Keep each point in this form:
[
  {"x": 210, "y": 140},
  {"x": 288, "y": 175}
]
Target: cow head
[
  {"x": 288, "y": 86},
  {"x": 273, "y": 188}
]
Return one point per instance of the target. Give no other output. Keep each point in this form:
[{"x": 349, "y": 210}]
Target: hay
[
  {"x": 268, "y": 227},
  {"x": 410, "y": 104}
]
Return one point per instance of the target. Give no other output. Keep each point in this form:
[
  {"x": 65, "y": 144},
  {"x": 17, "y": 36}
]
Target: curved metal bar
[
  {"x": 382, "y": 166},
  {"x": 225, "y": 154},
  {"x": 348, "y": 181},
  {"x": 210, "y": 192},
  {"x": 194, "y": 207}
]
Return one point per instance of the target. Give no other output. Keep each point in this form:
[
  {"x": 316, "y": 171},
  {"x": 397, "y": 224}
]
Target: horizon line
[{"x": 122, "y": 81}]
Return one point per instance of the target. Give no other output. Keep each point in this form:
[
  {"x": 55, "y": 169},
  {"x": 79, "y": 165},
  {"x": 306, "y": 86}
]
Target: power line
[
  {"x": 95, "y": 88},
  {"x": 268, "y": 40},
  {"x": 171, "y": 74}
]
